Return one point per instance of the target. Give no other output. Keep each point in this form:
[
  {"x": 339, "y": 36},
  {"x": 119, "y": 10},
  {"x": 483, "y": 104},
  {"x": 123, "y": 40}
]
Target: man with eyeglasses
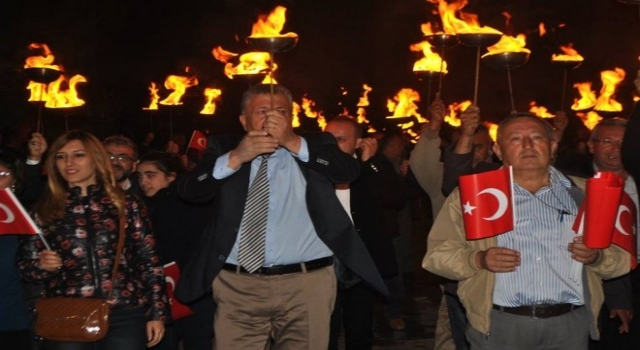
[
  {"x": 617, "y": 313},
  {"x": 123, "y": 154}
]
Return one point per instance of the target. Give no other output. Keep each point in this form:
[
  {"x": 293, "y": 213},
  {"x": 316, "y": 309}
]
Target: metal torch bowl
[
  {"x": 42, "y": 75},
  {"x": 442, "y": 40},
  {"x": 479, "y": 39},
  {"x": 273, "y": 44},
  {"x": 506, "y": 60},
  {"x": 251, "y": 78},
  {"x": 566, "y": 64},
  {"x": 427, "y": 74}
]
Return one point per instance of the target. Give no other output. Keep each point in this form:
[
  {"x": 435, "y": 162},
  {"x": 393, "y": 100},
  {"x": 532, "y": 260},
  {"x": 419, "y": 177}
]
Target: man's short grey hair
[
  {"x": 525, "y": 115},
  {"x": 605, "y": 123},
  {"x": 121, "y": 140},
  {"x": 265, "y": 89}
]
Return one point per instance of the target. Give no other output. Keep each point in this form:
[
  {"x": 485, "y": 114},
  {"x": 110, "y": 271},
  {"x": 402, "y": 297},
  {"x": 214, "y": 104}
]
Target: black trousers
[
  {"x": 354, "y": 311},
  {"x": 127, "y": 331},
  {"x": 195, "y": 332}
]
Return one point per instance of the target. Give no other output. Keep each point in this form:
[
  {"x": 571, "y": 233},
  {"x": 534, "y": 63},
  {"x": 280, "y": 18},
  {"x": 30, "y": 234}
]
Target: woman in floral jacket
[{"x": 79, "y": 217}]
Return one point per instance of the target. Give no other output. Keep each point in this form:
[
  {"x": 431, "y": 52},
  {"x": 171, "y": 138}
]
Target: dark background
[{"x": 121, "y": 46}]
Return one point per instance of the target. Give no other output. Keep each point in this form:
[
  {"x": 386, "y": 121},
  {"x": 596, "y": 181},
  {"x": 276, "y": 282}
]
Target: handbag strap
[{"x": 121, "y": 234}]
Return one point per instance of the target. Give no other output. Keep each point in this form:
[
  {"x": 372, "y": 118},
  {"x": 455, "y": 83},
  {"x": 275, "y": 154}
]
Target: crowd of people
[{"x": 286, "y": 240}]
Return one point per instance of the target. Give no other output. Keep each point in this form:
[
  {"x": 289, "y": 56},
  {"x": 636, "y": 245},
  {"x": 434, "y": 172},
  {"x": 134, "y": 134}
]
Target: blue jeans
[{"x": 127, "y": 331}]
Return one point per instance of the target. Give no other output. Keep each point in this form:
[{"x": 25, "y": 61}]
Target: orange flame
[
  {"x": 308, "y": 107},
  {"x": 43, "y": 61},
  {"x": 468, "y": 23},
  {"x": 455, "y": 109},
  {"x": 249, "y": 63},
  {"x": 587, "y": 97},
  {"x": 540, "y": 111},
  {"x": 211, "y": 94},
  {"x": 270, "y": 25},
  {"x": 38, "y": 91},
  {"x": 57, "y": 98},
  {"x": 542, "y": 30},
  {"x": 179, "y": 85},
  {"x": 568, "y": 54},
  {"x": 610, "y": 81},
  {"x": 362, "y": 103},
  {"x": 590, "y": 119},
  {"x": 431, "y": 60},
  {"x": 493, "y": 130},
  {"x": 153, "y": 94},
  {"x": 508, "y": 43},
  {"x": 404, "y": 105},
  {"x": 295, "y": 115}
]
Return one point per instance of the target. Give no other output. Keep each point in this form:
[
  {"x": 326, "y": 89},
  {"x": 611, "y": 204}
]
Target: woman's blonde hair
[{"x": 51, "y": 206}]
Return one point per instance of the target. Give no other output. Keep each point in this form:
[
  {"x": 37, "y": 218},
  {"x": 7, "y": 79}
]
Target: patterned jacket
[{"x": 86, "y": 238}]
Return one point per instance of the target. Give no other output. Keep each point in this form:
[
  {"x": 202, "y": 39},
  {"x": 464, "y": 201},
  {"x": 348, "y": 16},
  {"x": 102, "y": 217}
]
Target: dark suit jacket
[
  {"x": 377, "y": 184},
  {"x": 327, "y": 165}
]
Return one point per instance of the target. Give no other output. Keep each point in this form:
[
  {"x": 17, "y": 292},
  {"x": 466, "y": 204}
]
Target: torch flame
[
  {"x": 587, "y": 97},
  {"x": 404, "y": 105},
  {"x": 308, "y": 107},
  {"x": 568, "y": 54},
  {"x": 493, "y": 130},
  {"x": 362, "y": 103},
  {"x": 210, "y": 106},
  {"x": 508, "y": 43},
  {"x": 467, "y": 24},
  {"x": 455, "y": 109},
  {"x": 590, "y": 119},
  {"x": 431, "y": 60},
  {"x": 179, "y": 85},
  {"x": 270, "y": 25},
  {"x": 58, "y": 98},
  {"x": 540, "y": 111},
  {"x": 610, "y": 80},
  {"x": 38, "y": 91},
  {"x": 43, "y": 61},
  {"x": 249, "y": 63},
  {"x": 153, "y": 93},
  {"x": 295, "y": 112}
]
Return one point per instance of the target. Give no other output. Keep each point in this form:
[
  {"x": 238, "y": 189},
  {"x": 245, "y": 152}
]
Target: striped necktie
[{"x": 254, "y": 221}]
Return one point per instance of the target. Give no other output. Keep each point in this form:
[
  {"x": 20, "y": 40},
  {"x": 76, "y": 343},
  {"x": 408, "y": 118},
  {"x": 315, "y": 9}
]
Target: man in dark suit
[
  {"x": 363, "y": 199},
  {"x": 287, "y": 301}
]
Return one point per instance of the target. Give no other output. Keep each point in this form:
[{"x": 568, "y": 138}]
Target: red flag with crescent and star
[
  {"x": 198, "y": 141},
  {"x": 624, "y": 231},
  {"x": 13, "y": 218},
  {"x": 487, "y": 203},
  {"x": 172, "y": 275}
]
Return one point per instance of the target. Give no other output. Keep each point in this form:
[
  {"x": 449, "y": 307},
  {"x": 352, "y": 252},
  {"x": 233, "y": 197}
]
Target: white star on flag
[{"x": 468, "y": 208}]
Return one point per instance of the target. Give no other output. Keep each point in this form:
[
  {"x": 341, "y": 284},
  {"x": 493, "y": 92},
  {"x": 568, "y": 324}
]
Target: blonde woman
[{"x": 79, "y": 216}]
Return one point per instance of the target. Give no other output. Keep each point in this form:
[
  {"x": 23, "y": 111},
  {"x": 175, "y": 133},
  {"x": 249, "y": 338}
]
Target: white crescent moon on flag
[
  {"x": 503, "y": 203},
  {"x": 619, "y": 227},
  {"x": 10, "y": 216},
  {"x": 202, "y": 142}
]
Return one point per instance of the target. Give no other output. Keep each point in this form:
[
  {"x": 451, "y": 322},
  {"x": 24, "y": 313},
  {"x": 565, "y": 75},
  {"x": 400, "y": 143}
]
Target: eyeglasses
[
  {"x": 5, "y": 173},
  {"x": 121, "y": 157},
  {"x": 607, "y": 142}
]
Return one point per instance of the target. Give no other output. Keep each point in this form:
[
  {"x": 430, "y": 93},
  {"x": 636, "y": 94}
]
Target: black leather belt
[
  {"x": 284, "y": 269},
  {"x": 539, "y": 311}
]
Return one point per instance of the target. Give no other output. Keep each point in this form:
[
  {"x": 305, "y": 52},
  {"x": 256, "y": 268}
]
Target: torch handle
[
  {"x": 441, "y": 67},
  {"x": 513, "y": 104},
  {"x": 475, "y": 86},
  {"x": 564, "y": 89}
]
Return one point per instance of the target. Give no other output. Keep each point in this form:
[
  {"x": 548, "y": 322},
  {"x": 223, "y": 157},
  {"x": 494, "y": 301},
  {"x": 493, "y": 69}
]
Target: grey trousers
[{"x": 512, "y": 332}]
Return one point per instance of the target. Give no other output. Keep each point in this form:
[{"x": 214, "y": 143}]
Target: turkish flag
[
  {"x": 624, "y": 230},
  {"x": 13, "y": 218},
  {"x": 198, "y": 141},
  {"x": 598, "y": 212},
  {"x": 487, "y": 203},
  {"x": 172, "y": 275}
]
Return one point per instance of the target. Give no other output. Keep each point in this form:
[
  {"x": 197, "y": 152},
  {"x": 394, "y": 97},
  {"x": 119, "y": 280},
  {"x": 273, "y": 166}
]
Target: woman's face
[
  {"x": 152, "y": 179},
  {"x": 6, "y": 177},
  {"x": 76, "y": 165}
]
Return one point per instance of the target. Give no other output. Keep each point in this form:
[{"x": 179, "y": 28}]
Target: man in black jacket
[
  {"x": 362, "y": 199},
  {"x": 287, "y": 302}
]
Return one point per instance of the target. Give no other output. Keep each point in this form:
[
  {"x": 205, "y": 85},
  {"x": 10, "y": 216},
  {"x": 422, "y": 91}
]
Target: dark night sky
[{"x": 121, "y": 46}]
